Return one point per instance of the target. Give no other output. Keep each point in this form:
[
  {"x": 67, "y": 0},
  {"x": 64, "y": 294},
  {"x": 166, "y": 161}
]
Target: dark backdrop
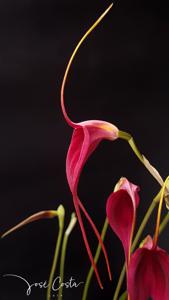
[{"x": 121, "y": 75}]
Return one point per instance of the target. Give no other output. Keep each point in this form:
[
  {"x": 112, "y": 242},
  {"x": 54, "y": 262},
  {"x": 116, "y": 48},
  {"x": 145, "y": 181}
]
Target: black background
[{"x": 120, "y": 75}]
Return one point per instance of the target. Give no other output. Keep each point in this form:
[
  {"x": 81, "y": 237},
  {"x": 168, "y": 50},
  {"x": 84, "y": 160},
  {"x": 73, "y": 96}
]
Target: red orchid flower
[
  {"x": 148, "y": 273},
  {"x": 86, "y": 137},
  {"x": 121, "y": 212}
]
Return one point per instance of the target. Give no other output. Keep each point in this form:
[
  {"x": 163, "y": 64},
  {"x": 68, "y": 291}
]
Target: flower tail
[
  {"x": 68, "y": 120},
  {"x": 76, "y": 204},
  {"x": 98, "y": 236}
]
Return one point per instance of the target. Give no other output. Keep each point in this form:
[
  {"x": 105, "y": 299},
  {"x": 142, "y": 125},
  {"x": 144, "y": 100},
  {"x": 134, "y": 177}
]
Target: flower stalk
[
  {"x": 164, "y": 223},
  {"x": 96, "y": 258},
  {"x": 153, "y": 171},
  {"x": 61, "y": 216},
  {"x": 67, "y": 233},
  {"x": 159, "y": 212}
]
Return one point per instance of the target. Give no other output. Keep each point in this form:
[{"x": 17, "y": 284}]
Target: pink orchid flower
[
  {"x": 148, "y": 273},
  {"x": 85, "y": 139},
  {"x": 121, "y": 212}
]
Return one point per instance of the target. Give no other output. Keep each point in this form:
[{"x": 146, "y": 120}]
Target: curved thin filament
[{"x": 68, "y": 120}]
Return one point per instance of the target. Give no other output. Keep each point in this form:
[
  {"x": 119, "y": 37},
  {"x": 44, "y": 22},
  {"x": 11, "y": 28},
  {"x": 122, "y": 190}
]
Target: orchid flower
[
  {"x": 148, "y": 273},
  {"x": 86, "y": 137},
  {"x": 148, "y": 267},
  {"x": 121, "y": 212}
]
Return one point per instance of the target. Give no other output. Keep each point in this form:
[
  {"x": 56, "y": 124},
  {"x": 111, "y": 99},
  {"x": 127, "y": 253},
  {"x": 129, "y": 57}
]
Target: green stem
[
  {"x": 164, "y": 223},
  {"x": 136, "y": 239},
  {"x": 152, "y": 170},
  {"x": 119, "y": 284},
  {"x": 145, "y": 220},
  {"x": 61, "y": 214},
  {"x": 126, "y": 136},
  {"x": 90, "y": 273},
  {"x": 63, "y": 251}
]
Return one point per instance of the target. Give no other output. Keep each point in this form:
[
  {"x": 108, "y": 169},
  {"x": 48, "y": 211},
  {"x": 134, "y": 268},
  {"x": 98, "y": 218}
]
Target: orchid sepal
[
  {"x": 46, "y": 214},
  {"x": 121, "y": 212}
]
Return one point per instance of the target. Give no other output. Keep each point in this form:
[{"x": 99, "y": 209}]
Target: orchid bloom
[
  {"x": 121, "y": 212},
  {"x": 86, "y": 137},
  {"x": 46, "y": 214},
  {"x": 148, "y": 273}
]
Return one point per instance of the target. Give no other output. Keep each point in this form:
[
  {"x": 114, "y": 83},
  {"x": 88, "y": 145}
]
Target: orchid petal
[
  {"x": 121, "y": 212},
  {"x": 148, "y": 273}
]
